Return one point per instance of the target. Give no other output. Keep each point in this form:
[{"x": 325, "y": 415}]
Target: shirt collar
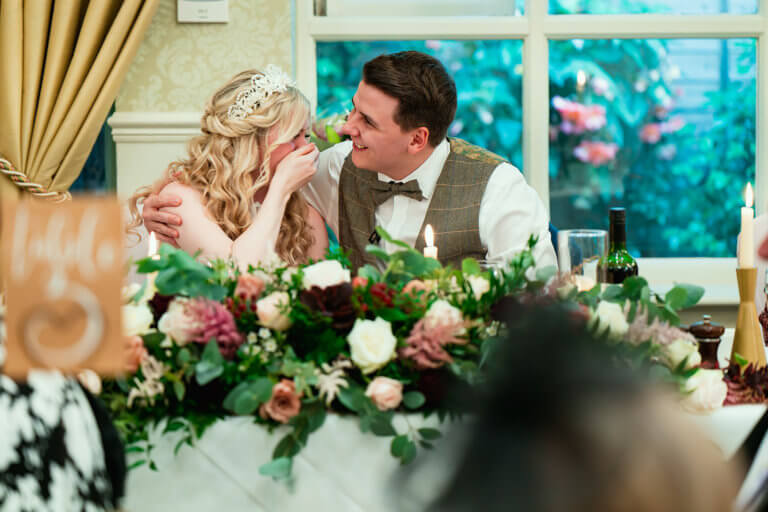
[{"x": 428, "y": 172}]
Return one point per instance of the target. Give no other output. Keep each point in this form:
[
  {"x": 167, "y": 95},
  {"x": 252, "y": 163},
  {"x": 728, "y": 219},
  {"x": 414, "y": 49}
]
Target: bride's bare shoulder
[{"x": 190, "y": 197}]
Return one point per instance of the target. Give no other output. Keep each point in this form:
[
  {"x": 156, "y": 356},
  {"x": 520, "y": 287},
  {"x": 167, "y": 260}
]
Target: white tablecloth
[{"x": 340, "y": 470}]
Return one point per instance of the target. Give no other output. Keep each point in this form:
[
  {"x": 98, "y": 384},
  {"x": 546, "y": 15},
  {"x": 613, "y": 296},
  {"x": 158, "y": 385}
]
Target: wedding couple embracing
[{"x": 253, "y": 185}]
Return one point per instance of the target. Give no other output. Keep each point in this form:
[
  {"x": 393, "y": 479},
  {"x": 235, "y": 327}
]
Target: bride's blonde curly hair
[{"x": 221, "y": 162}]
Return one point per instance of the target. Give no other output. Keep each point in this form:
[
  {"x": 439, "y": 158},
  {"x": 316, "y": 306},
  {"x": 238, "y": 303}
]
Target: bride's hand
[{"x": 295, "y": 170}]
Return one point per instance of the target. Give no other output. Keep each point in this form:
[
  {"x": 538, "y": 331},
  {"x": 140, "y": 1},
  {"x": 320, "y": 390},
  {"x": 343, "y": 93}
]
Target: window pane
[
  {"x": 652, "y": 6},
  {"x": 418, "y": 8},
  {"x": 663, "y": 128},
  {"x": 488, "y": 81}
]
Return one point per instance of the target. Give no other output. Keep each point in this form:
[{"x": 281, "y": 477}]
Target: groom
[{"x": 399, "y": 171}]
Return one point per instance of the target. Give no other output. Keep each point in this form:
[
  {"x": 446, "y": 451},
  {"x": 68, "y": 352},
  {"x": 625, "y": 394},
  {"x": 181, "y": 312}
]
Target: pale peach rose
[
  {"x": 249, "y": 287},
  {"x": 284, "y": 403},
  {"x": 272, "y": 311},
  {"x": 136, "y": 353},
  {"x": 414, "y": 287},
  {"x": 385, "y": 393}
]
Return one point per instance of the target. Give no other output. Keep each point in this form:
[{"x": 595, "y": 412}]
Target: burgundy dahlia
[
  {"x": 215, "y": 321},
  {"x": 334, "y": 302}
]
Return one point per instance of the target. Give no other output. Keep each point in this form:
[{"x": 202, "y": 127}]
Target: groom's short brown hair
[{"x": 425, "y": 91}]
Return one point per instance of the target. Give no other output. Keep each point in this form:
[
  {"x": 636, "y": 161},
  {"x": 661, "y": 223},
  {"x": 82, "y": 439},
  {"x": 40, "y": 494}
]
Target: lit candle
[
  {"x": 430, "y": 251},
  {"x": 746, "y": 256},
  {"x": 151, "y": 253},
  {"x": 581, "y": 80}
]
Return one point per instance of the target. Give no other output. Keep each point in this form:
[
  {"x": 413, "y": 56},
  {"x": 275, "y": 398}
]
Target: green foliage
[{"x": 179, "y": 273}]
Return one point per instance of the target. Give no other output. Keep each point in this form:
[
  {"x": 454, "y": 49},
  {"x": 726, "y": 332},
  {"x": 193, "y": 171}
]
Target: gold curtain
[{"x": 62, "y": 65}]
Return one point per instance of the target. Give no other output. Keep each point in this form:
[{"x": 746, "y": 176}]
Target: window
[
  {"x": 709, "y": 144},
  {"x": 488, "y": 76},
  {"x": 665, "y": 128}
]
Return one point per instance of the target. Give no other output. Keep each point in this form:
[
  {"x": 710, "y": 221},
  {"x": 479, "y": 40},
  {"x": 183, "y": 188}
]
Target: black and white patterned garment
[{"x": 53, "y": 440}]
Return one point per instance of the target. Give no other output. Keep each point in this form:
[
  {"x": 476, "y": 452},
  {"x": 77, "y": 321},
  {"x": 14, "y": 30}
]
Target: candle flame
[
  {"x": 429, "y": 236},
  {"x": 749, "y": 196},
  {"x": 152, "y": 245},
  {"x": 581, "y": 78}
]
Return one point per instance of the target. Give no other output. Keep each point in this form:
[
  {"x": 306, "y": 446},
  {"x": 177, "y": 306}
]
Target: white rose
[
  {"x": 90, "y": 381},
  {"x": 706, "y": 391},
  {"x": 372, "y": 344},
  {"x": 479, "y": 285},
  {"x": 676, "y": 352},
  {"x": 129, "y": 291},
  {"x": 385, "y": 393},
  {"x": 288, "y": 274},
  {"x": 609, "y": 318},
  {"x": 176, "y": 324},
  {"x": 324, "y": 274},
  {"x": 137, "y": 319},
  {"x": 273, "y": 312},
  {"x": 440, "y": 313}
]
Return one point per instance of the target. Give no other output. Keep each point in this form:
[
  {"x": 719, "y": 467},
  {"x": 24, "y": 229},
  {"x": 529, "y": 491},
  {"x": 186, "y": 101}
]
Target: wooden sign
[{"x": 62, "y": 271}]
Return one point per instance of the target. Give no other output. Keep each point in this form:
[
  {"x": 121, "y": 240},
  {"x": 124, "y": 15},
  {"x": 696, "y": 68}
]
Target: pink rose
[
  {"x": 596, "y": 153},
  {"x": 284, "y": 404},
  {"x": 385, "y": 393},
  {"x": 578, "y": 118},
  {"x": 249, "y": 287},
  {"x": 136, "y": 353},
  {"x": 651, "y": 133}
]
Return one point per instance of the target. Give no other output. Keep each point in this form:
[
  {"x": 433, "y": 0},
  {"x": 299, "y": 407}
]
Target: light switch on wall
[{"x": 202, "y": 11}]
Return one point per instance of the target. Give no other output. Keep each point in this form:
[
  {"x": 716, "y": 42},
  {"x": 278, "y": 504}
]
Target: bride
[{"x": 239, "y": 183}]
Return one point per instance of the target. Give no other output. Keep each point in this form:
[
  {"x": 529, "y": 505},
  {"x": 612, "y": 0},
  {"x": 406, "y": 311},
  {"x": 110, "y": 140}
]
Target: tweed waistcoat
[{"x": 453, "y": 210}]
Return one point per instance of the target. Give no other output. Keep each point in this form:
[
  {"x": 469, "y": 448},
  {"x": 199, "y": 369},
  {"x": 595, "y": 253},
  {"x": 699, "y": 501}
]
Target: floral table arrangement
[{"x": 288, "y": 345}]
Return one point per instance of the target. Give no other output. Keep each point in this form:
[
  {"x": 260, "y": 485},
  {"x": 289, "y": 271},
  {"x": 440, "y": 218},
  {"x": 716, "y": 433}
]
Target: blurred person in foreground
[
  {"x": 563, "y": 426},
  {"x": 59, "y": 450}
]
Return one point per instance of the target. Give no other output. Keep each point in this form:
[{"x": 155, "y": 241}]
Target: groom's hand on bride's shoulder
[
  {"x": 295, "y": 170},
  {"x": 162, "y": 222}
]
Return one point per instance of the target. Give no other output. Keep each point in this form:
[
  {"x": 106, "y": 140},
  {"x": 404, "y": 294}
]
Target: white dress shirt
[{"x": 510, "y": 210}]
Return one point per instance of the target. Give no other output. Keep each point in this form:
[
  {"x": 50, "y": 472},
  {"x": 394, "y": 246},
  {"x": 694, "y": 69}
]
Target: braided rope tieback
[{"x": 37, "y": 190}]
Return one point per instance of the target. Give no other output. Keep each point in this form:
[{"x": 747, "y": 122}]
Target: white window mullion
[
  {"x": 536, "y": 102},
  {"x": 761, "y": 144},
  {"x": 325, "y": 28},
  {"x": 306, "y": 54},
  {"x": 643, "y": 26}
]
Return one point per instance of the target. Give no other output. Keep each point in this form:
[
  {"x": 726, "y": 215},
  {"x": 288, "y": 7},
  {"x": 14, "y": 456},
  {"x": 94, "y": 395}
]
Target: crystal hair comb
[{"x": 272, "y": 80}]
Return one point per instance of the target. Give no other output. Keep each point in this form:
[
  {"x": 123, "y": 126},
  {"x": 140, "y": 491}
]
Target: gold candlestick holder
[{"x": 748, "y": 338}]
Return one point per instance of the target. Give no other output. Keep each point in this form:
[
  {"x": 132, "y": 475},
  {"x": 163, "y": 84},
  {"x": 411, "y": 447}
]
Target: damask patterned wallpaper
[{"x": 178, "y": 66}]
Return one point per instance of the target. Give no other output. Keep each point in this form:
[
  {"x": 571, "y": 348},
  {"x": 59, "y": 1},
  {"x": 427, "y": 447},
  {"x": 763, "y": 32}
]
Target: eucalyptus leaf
[
  {"x": 430, "y": 434},
  {"x": 279, "y": 468},
  {"x": 413, "y": 399},
  {"x": 211, "y": 364},
  {"x": 409, "y": 453},
  {"x": 397, "y": 447}
]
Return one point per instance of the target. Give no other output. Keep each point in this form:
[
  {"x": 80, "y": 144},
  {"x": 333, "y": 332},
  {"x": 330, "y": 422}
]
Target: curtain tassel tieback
[{"x": 23, "y": 182}]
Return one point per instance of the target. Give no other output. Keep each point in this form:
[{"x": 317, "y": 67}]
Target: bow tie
[{"x": 382, "y": 190}]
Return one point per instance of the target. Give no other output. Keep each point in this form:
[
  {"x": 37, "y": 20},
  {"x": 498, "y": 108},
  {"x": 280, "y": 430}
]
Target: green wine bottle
[{"x": 618, "y": 264}]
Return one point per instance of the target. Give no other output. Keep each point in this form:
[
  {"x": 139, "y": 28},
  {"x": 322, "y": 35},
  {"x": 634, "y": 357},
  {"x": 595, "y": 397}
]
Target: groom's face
[{"x": 379, "y": 144}]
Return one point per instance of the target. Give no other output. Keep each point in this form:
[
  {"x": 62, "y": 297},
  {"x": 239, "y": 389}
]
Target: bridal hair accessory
[{"x": 272, "y": 80}]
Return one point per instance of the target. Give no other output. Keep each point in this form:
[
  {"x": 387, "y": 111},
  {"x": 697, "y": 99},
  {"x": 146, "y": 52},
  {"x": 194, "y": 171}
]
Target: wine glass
[{"x": 579, "y": 251}]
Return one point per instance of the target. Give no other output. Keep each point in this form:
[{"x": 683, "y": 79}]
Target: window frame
[{"x": 535, "y": 28}]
